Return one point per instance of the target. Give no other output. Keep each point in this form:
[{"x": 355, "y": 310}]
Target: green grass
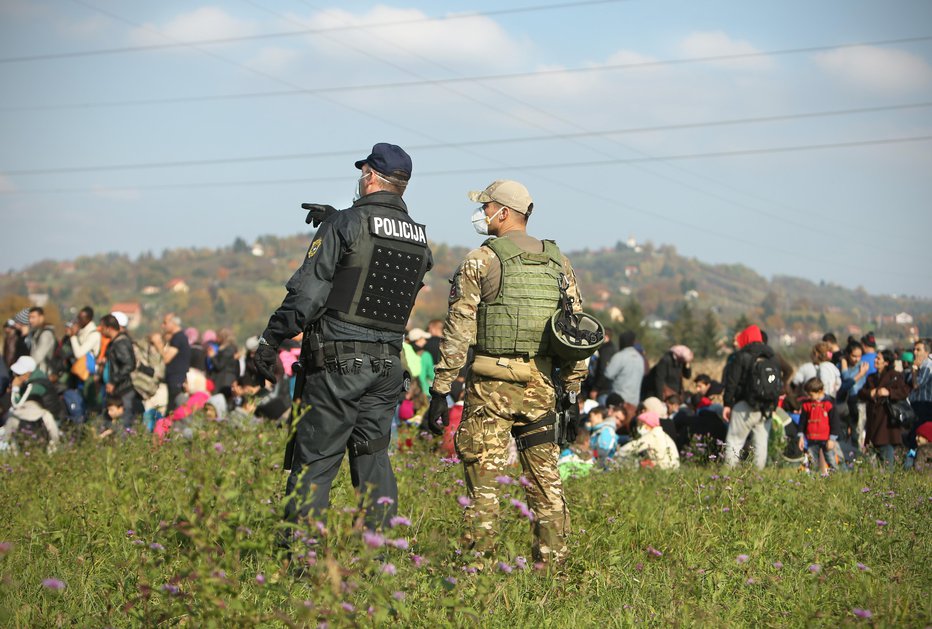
[{"x": 203, "y": 516}]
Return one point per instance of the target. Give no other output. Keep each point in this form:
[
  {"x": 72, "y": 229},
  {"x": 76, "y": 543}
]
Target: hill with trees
[{"x": 652, "y": 289}]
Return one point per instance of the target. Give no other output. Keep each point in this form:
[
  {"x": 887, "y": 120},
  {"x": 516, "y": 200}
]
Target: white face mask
[
  {"x": 481, "y": 222},
  {"x": 358, "y": 193}
]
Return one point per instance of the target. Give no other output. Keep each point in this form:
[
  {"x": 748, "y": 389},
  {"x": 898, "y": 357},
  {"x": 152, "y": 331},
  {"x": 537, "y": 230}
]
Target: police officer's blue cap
[{"x": 388, "y": 159}]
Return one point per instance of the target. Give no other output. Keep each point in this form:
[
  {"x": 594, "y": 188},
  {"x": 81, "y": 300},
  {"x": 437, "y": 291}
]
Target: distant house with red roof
[{"x": 133, "y": 312}]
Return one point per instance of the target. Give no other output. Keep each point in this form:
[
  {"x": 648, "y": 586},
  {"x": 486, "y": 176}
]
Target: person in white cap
[
  {"x": 121, "y": 318},
  {"x": 34, "y": 398},
  {"x": 502, "y": 299}
]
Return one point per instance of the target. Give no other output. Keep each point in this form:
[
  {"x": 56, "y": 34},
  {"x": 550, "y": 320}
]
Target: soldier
[
  {"x": 351, "y": 297},
  {"x": 502, "y": 299}
]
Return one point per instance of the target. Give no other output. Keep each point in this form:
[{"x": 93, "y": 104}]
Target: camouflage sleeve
[
  {"x": 573, "y": 375},
  {"x": 459, "y": 329}
]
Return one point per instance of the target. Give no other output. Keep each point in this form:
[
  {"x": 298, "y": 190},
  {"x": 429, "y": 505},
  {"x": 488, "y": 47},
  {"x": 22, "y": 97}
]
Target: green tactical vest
[{"x": 515, "y": 322}]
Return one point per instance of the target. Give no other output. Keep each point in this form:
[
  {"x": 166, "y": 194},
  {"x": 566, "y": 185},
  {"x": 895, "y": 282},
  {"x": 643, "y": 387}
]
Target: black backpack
[{"x": 764, "y": 384}]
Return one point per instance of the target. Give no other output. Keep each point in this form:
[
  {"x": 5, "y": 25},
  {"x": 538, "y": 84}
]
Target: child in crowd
[
  {"x": 652, "y": 447},
  {"x": 114, "y": 416},
  {"x": 412, "y": 407},
  {"x": 817, "y": 417},
  {"x": 923, "y": 456},
  {"x": 603, "y": 442}
]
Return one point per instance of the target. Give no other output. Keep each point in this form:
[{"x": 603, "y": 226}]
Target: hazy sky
[{"x": 792, "y": 136}]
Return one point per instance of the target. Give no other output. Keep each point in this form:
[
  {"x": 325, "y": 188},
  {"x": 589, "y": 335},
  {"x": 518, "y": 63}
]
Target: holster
[{"x": 551, "y": 435}]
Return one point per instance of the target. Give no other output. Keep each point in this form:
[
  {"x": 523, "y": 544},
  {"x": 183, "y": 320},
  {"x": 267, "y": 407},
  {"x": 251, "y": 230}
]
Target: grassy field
[{"x": 130, "y": 534}]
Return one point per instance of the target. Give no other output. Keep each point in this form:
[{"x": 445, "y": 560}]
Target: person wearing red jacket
[{"x": 818, "y": 422}]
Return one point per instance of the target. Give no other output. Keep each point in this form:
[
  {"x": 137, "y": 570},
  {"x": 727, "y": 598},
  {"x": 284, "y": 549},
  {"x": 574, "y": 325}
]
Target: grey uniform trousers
[{"x": 346, "y": 406}]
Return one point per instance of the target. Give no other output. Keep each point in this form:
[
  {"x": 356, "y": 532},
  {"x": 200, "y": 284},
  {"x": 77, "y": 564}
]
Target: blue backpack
[{"x": 74, "y": 406}]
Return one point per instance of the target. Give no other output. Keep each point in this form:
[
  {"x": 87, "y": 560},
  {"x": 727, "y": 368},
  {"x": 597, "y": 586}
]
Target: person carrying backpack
[{"x": 753, "y": 385}]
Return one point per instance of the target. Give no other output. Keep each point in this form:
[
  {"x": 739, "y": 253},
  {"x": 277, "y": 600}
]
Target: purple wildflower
[
  {"x": 417, "y": 560},
  {"x": 389, "y": 569},
  {"x": 778, "y": 565},
  {"x": 373, "y": 540},
  {"x": 384, "y": 500},
  {"x": 639, "y": 566},
  {"x": 399, "y": 520},
  {"x": 865, "y": 490},
  {"x": 862, "y": 567},
  {"x": 218, "y": 447},
  {"x": 53, "y": 584},
  {"x": 260, "y": 579},
  {"x": 504, "y": 567},
  {"x": 520, "y": 563},
  {"x": 881, "y": 522},
  {"x": 156, "y": 546},
  {"x": 653, "y": 551},
  {"x": 862, "y": 613},
  {"x": 348, "y": 607},
  {"x": 5, "y": 547},
  {"x": 522, "y": 508},
  {"x": 750, "y": 581},
  {"x": 130, "y": 533},
  {"x": 815, "y": 568},
  {"x": 524, "y": 481},
  {"x": 172, "y": 589},
  {"x": 451, "y": 580},
  {"x": 398, "y": 596},
  {"x": 464, "y": 501},
  {"x": 400, "y": 543},
  {"x": 742, "y": 558},
  {"x": 504, "y": 480},
  {"x": 725, "y": 509}
]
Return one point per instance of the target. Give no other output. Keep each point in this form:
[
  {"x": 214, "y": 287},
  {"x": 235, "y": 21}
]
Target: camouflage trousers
[{"x": 493, "y": 406}]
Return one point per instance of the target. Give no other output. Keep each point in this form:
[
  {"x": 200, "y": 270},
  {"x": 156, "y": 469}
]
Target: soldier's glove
[
  {"x": 438, "y": 415},
  {"x": 265, "y": 360},
  {"x": 317, "y": 213},
  {"x": 571, "y": 408}
]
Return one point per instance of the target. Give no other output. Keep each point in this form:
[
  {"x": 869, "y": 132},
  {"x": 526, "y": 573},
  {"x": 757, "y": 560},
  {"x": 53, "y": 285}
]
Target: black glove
[
  {"x": 571, "y": 408},
  {"x": 265, "y": 360},
  {"x": 438, "y": 415},
  {"x": 317, "y": 213}
]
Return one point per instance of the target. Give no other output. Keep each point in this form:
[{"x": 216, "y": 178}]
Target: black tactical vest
[{"x": 375, "y": 284}]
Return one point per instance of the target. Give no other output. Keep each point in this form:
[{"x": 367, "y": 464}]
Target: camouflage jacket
[{"x": 478, "y": 279}]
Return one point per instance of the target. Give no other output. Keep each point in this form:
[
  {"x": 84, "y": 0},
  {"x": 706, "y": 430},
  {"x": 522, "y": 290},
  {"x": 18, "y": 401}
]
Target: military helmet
[{"x": 574, "y": 336}]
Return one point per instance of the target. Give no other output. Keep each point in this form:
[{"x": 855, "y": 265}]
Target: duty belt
[
  {"x": 545, "y": 436},
  {"x": 346, "y": 357}
]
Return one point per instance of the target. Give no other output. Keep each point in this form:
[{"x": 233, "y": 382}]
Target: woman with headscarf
[{"x": 887, "y": 385}]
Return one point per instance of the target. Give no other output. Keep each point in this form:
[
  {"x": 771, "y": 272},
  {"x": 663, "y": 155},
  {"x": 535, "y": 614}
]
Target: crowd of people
[
  {"x": 95, "y": 372},
  {"x": 843, "y": 405}
]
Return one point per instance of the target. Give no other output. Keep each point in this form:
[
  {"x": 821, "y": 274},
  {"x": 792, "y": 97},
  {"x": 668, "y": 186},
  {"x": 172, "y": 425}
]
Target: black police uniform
[{"x": 353, "y": 294}]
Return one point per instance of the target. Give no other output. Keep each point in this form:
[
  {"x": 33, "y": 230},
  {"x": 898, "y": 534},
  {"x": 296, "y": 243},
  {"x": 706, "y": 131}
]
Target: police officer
[
  {"x": 351, "y": 298},
  {"x": 502, "y": 299}
]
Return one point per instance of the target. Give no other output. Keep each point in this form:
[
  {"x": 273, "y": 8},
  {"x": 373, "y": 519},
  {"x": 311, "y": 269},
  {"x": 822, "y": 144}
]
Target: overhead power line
[
  {"x": 482, "y": 142},
  {"x": 497, "y": 168},
  {"x": 302, "y": 32},
  {"x": 337, "y": 89}
]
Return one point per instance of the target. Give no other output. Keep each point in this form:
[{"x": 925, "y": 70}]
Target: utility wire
[
  {"x": 483, "y": 142},
  {"x": 463, "y": 79},
  {"x": 305, "y": 31},
  {"x": 484, "y": 169}
]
